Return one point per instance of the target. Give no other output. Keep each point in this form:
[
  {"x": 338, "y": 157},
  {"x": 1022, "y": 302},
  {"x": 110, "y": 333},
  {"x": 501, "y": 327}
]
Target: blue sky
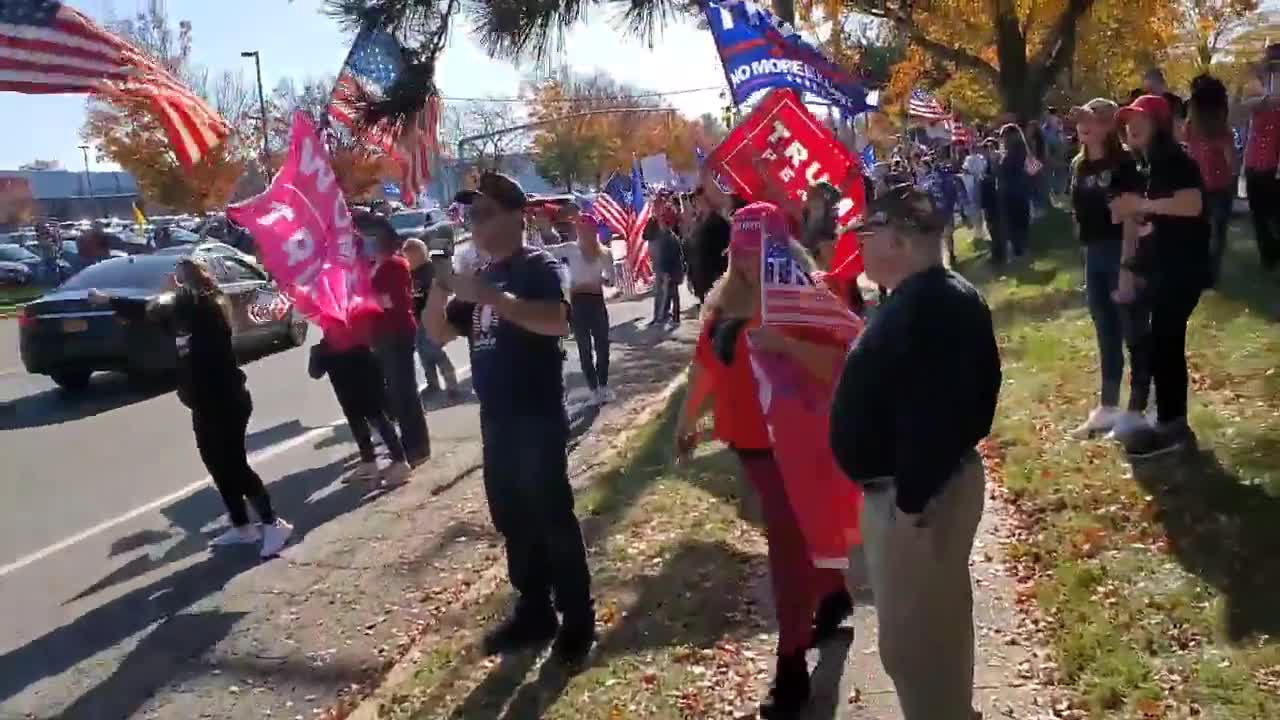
[{"x": 297, "y": 40}]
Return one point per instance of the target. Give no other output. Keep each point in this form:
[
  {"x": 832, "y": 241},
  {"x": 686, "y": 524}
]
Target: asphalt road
[{"x": 87, "y": 479}]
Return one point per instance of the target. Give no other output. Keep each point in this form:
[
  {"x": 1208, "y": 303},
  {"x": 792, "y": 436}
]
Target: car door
[{"x": 266, "y": 308}]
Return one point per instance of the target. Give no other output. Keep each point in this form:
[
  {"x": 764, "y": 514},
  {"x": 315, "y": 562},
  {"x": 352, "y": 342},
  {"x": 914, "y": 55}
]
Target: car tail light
[{"x": 25, "y": 317}]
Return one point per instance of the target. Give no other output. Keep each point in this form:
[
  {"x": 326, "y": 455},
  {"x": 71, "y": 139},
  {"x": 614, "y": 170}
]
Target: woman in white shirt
[{"x": 587, "y": 261}]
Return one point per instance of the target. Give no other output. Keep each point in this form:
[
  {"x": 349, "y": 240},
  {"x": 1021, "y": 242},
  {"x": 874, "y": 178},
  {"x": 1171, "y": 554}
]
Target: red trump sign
[{"x": 793, "y": 150}]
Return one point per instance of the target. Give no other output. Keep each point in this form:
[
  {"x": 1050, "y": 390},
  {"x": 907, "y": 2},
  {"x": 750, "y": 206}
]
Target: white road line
[{"x": 259, "y": 456}]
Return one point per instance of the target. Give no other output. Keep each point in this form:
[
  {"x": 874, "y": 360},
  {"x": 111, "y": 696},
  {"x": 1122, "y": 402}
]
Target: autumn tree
[
  {"x": 16, "y": 204},
  {"x": 128, "y": 132},
  {"x": 476, "y": 129}
]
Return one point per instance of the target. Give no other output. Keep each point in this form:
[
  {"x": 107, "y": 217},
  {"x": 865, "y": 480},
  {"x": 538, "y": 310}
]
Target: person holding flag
[{"x": 766, "y": 390}]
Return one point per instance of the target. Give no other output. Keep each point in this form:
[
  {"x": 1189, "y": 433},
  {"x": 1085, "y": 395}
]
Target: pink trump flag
[{"x": 305, "y": 239}]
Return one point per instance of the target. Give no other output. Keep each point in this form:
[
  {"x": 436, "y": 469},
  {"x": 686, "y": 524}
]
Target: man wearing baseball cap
[
  {"x": 514, "y": 312},
  {"x": 905, "y": 429}
]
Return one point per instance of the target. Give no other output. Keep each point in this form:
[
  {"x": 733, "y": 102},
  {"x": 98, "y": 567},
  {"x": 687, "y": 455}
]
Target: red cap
[
  {"x": 754, "y": 225},
  {"x": 1153, "y": 106}
]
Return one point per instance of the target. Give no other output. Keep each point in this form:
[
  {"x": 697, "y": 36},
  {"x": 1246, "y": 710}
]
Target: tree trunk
[{"x": 785, "y": 10}]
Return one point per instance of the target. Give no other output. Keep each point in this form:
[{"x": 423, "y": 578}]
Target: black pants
[
  {"x": 1135, "y": 323},
  {"x": 995, "y": 230},
  {"x": 220, "y": 439},
  {"x": 358, "y": 384},
  {"x": 1217, "y": 210},
  {"x": 395, "y": 357},
  {"x": 1171, "y": 308},
  {"x": 1264, "y": 206},
  {"x": 526, "y": 482},
  {"x": 1017, "y": 222},
  {"x": 591, "y": 332}
]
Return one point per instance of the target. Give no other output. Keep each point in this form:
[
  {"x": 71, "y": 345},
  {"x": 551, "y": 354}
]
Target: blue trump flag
[{"x": 760, "y": 52}]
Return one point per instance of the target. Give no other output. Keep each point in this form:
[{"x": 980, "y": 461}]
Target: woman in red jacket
[{"x": 722, "y": 382}]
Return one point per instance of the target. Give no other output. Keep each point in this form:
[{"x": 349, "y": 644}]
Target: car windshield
[
  {"x": 149, "y": 272},
  {"x": 404, "y": 221},
  {"x": 13, "y": 253}
]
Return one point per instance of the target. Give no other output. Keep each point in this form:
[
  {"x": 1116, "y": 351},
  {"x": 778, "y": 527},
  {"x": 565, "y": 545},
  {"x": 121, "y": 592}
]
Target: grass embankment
[
  {"x": 673, "y": 572},
  {"x": 1160, "y": 582},
  {"x": 12, "y": 297}
]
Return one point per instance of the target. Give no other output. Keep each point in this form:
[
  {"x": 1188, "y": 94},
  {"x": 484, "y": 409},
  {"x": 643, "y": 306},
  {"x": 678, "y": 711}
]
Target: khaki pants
[{"x": 923, "y": 593}]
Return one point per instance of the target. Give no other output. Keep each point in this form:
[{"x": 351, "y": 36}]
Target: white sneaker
[
  {"x": 1100, "y": 422},
  {"x": 1128, "y": 425},
  {"x": 366, "y": 471},
  {"x": 274, "y": 537},
  {"x": 396, "y": 474},
  {"x": 1153, "y": 416},
  {"x": 607, "y": 395},
  {"x": 243, "y": 535}
]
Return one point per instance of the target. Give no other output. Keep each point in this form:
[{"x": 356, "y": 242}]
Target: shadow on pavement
[
  {"x": 1225, "y": 531},
  {"x": 298, "y": 497},
  {"x": 54, "y": 406}
]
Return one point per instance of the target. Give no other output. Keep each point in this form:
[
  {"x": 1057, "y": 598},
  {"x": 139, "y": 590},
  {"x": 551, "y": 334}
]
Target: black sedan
[{"x": 61, "y": 335}]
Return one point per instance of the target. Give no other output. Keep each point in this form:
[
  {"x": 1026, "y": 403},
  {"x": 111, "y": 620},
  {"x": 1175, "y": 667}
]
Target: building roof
[{"x": 63, "y": 184}]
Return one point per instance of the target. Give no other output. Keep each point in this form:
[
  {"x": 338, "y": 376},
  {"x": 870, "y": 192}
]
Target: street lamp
[
  {"x": 262, "y": 103},
  {"x": 88, "y": 180}
]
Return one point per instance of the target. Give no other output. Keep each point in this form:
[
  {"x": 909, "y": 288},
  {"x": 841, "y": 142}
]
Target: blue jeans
[
  {"x": 1102, "y": 276},
  {"x": 433, "y": 358}
]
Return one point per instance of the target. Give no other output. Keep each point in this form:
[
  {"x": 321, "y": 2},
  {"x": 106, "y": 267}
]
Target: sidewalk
[{"x": 683, "y": 607}]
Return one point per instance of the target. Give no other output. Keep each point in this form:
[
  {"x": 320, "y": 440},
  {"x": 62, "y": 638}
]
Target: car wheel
[
  {"x": 72, "y": 381},
  {"x": 296, "y": 334}
]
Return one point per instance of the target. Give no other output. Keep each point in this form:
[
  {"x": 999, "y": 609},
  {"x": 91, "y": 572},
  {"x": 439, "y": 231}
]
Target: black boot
[
  {"x": 528, "y": 627},
  {"x": 832, "y": 611},
  {"x": 790, "y": 692},
  {"x": 575, "y": 640}
]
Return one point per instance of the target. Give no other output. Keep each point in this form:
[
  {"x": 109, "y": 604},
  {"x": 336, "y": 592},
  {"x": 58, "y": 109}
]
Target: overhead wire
[{"x": 638, "y": 96}]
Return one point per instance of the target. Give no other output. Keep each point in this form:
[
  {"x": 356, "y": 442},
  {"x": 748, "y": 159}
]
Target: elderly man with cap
[
  {"x": 904, "y": 426},
  {"x": 514, "y": 313}
]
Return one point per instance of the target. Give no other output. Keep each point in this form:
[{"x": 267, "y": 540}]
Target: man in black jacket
[{"x": 917, "y": 393}]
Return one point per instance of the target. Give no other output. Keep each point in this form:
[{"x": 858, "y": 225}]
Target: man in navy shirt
[{"x": 513, "y": 312}]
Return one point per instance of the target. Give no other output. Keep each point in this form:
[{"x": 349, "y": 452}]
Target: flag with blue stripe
[{"x": 760, "y": 52}]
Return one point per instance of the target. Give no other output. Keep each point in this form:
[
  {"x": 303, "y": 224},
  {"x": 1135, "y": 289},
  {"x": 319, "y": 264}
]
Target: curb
[{"x": 368, "y": 706}]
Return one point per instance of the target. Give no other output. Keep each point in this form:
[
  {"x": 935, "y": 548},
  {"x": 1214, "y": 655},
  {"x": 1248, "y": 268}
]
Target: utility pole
[
  {"x": 88, "y": 180},
  {"x": 262, "y": 105}
]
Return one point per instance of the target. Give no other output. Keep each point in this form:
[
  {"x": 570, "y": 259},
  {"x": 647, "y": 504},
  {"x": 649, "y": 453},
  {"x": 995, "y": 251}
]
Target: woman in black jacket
[{"x": 211, "y": 383}]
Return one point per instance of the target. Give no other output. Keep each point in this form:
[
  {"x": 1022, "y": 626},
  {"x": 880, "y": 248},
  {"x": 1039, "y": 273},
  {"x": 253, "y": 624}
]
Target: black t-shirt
[
  {"x": 1094, "y": 184},
  {"x": 1177, "y": 106},
  {"x": 1175, "y": 247},
  {"x": 422, "y": 279},
  {"x": 517, "y": 373},
  {"x": 712, "y": 243}
]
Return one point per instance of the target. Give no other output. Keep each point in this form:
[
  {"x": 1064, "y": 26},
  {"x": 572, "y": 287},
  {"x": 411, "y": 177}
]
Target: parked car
[
  {"x": 14, "y": 273},
  {"x": 35, "y": 264},
  {"x": 415, "y": 223},
  {"x": 61, "y": 335}
]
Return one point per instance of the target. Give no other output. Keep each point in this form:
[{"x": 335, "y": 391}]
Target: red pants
[{"x": 798, "y": 586}]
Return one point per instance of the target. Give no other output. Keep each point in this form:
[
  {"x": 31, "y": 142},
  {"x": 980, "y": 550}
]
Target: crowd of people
[{"x": 1150, "y": 187}]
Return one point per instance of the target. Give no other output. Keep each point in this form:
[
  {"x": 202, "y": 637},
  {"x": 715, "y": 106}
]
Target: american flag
[
  {"x": 49, "y": 48},
  {"x": 415, "y": 149},
  {"x": 791, "y": 297},
  {"x": 623, "y": 208},
  {"x": 960, "y": 134},
  {"x": 924, "y": 105},
  {"x": 373, "y": 65},
  {"x": 375, "y": 61}
]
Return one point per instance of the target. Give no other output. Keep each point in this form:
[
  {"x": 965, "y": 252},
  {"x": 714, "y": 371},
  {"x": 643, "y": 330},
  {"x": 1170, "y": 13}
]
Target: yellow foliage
[{"x": 127, "y": 132}]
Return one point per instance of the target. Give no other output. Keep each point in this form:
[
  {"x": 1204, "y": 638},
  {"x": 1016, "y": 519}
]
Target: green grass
[
  {"x": 10, "y": 297},
  {"x": 673, "y": 565},
  {"x": 1160, "y": 583}
]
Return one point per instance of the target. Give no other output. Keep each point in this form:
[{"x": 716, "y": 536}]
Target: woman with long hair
[
  {"x": 1210, "y": 143},
  {"x": 1172, "y": 260},
  {"x": 1014, "y": 188},
  {"x": 212, "y": 385},
  {"x": 1102, "y": 170},
  {"x": 588, "y": 262},
  {"x": 722, "y": 383}
]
